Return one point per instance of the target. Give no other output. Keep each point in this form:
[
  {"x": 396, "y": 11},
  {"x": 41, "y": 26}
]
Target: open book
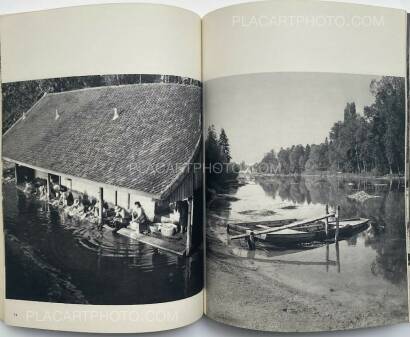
[{"x": 249, "y": 166}]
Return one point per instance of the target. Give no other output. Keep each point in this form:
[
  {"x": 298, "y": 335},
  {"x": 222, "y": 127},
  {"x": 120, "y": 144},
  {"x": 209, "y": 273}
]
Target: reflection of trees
[
  {"x": 387, "y": 235},
  {"x": 388, "y": 239},
  {"x": 288, "y": 188},
  {"x": 270, "y": 187}
]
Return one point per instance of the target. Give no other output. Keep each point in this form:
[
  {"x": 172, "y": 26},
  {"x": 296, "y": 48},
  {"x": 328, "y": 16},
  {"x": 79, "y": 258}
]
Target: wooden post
[
  {"x": 101, "y": 199},
  {"x": 337, "y": 223},
  {"x": 48, "y": 187},
  {"x": 327, "y": 220},
  {"x": 327, "y": 257},
  {"x": 251, "y": 240},
  {"x": 337, "y": 256},
  {"x": 227, "y": 228},
  {"x": 16, "y": 173},
  {"x": 189, "y": 228},
  {"x": 129, "y": 201},
  {"x": 116, "y": 199}
]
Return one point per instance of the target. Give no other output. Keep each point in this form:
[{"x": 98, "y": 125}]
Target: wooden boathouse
[{"x": 119, "y": 144}]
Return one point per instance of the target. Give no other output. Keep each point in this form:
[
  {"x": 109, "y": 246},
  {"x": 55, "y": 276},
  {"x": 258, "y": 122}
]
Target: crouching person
[
  {"x": 140, "y": 218},
  {"x": 118, "y": 220}
]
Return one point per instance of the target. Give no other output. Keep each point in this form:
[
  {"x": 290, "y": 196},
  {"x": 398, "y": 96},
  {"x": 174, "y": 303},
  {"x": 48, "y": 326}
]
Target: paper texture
[
  {"x": 106, "y": 39},
  {"x": 283, "y": 82},
  {"x": 103, "y": 40},
  {"x": 303, "y": 36},
  {"x": 104, "y": 319}
]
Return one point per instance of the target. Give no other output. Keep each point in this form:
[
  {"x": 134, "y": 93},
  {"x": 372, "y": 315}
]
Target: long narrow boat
[{"x": 304, "y": 234}]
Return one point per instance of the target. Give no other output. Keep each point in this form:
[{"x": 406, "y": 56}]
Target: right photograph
[{"x": 305, "y": 196}]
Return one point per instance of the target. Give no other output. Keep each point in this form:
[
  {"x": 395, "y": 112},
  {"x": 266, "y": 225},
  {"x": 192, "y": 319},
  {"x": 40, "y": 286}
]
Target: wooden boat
[{"x": 275, "y": 232}]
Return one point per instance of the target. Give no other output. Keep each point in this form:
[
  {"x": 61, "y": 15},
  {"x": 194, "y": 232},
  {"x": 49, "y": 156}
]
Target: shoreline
[
  {"x": 332, "y": 175},
  {"x": 240, "y": 293}
]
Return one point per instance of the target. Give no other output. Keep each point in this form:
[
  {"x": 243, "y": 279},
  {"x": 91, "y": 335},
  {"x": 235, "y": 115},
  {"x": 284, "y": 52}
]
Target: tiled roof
[{"x": 158, "y": 127}]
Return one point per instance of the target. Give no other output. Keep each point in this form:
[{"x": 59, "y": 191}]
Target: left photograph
[{"x": 102, "y": 189}]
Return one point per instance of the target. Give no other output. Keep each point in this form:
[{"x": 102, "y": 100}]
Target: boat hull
[
  {"x": 288, "y": 239},
  {"x": 304, "y": 235}
]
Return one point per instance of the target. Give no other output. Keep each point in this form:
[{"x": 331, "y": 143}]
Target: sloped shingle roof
[{"x": 158, "y": 126}]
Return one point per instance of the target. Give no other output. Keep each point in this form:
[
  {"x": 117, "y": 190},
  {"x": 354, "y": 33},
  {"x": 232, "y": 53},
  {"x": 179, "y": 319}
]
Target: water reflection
[
  {"x": 53, "y": 257},
  {"x": 306, "y": 197}
]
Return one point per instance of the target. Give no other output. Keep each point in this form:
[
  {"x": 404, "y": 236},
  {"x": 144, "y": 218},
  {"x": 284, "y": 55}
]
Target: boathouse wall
[
  {"x": 79, "y": 185},
  {"x": 40, "y": 174},
  {"x": 92, "y": 190}
]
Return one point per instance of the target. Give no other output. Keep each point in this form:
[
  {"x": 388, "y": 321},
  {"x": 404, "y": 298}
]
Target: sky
[{"x": 260, "y": 112}]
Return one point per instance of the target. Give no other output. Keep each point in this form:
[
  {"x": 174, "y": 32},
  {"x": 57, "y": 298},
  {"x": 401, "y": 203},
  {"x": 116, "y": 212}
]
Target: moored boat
[{"x": 305, "y": 233}]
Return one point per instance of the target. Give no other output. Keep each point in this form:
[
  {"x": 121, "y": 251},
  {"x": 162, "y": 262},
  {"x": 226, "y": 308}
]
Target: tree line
[
  {"x": 219, "y": 168},
  {"x": 371, "y": 143}
]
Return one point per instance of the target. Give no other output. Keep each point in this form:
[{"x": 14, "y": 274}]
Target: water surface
[
  {"x": 369, "y": 264},
  {"x": 52, "y": 257}
]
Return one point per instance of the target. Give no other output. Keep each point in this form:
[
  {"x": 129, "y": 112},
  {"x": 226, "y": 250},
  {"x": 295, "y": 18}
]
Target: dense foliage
[
  {"x": 218, "y": 166},
  {"x": 370, "y": 143}
]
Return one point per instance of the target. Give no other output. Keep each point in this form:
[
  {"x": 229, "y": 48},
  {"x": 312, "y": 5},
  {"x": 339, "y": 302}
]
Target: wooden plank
[
  {"x": 269, "y": 223},
  {"x": 277, "y": 229},
  {"x": 101, "y": 200},
  {"x": 172, "y": 247},
  {"x": 175, "y": 247},
  {"x": 244, "y": 226},
  {"x": 189, "y": 228}
]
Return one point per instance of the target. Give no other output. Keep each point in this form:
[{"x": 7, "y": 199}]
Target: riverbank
[
  {"x": 245, "y": 294},
  {"x": 330, "y": 174},
  {"x": 359, "y": 283}
]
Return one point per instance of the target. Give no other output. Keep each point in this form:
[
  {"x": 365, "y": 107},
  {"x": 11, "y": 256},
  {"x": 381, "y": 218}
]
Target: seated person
[
  {"x": 28, "y": 187},
  {"x": 97, "y": 207},
  {"x": 77, "y": 208},
  {"x": 63, "y": 199},
  {"x": 70, "y": 198},
  {"x": 89, "y": 208},
  {"x": 57, "y": 194},
  {"x": 56, "y": 189},
  {"x": 42, "y": 192},
  {"x": 118, "y": 217},
  {"x": 86, "y": 202}
]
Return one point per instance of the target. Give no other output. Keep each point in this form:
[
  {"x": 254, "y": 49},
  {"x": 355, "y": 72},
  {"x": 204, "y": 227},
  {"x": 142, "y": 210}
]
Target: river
[
  {"x": 362, "y": 279},
  {"x": 54, "y": 258}
]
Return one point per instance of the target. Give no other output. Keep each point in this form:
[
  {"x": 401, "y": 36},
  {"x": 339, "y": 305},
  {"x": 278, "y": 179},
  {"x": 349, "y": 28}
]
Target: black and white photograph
[
  {"x": 305, "y": 200},
  {"x": 102, "y": 193},
  {"x": 407, "y": 155}
]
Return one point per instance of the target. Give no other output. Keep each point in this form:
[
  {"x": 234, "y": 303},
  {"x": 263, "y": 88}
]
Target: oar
[{"x": 277, "y": 229}]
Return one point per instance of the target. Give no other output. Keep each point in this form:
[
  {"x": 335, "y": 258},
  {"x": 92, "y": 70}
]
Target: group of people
[
  {"x": 31, "y": 188},
  {"x": 81, "y": 206},
  {"x": 136, "y": 218}
]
